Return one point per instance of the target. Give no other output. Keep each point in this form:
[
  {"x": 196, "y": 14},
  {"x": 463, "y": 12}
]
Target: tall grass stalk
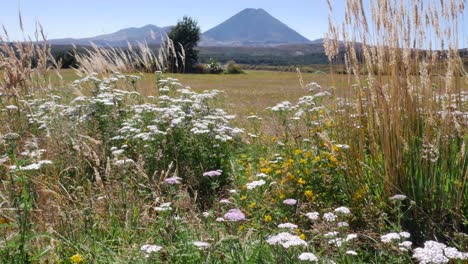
[{"x": 408, "y": 131}]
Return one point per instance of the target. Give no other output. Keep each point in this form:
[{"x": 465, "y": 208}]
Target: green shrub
[{"x": 233, "y": 68}]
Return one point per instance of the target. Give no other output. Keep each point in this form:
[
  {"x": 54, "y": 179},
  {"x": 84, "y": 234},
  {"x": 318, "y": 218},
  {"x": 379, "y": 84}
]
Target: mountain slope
[
  {"x": 251, "y": 27},
  {"x": 150, "y": 33}
]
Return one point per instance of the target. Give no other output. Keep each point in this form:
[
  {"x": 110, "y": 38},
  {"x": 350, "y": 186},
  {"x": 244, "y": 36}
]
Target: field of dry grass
[{"x": 247, "y": 93}]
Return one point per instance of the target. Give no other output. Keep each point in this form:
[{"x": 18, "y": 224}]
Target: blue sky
[{"x": 86, "y": 18}]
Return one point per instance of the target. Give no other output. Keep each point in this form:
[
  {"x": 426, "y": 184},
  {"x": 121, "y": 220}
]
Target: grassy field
[{"x": 244, "y": 94}]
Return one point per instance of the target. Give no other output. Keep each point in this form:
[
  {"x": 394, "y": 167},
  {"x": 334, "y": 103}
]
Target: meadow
[{"x": 122, "y": 162}]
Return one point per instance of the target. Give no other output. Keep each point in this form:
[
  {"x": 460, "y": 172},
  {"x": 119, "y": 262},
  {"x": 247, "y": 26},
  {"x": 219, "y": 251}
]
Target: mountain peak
[{"x": 251, "y": 27}]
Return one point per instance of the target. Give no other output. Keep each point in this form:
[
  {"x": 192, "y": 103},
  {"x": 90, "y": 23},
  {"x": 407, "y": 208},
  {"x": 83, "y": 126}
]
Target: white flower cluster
[
  {"x": 255, "y": 184},
  {"x": 434, "y": 252},
  {"x": 286, "y": 240},
  {"x": 287, "y": 226},
  {"x": 163, "y": 207},
  {"x": 307, "y": 256}
]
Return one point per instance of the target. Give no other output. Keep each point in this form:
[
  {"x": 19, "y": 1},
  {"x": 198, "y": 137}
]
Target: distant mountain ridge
[
  {"x": 249, "y": 27},
  {"x": 150, "y": 33}
]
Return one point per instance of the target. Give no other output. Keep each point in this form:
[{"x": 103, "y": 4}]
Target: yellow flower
[
  {"x": 273, "y": 139},
  {"x": 77, "y": 258},
  {"x": 316, "y": 159},
  {"x": 266, "y": 170},
  {"x": 282, "y": 196},
  {"x": 303, "y": 161},
  {"x": 308, "y": 154},
  {"x": 267, "y": 218},
  {"x": 336, "y": 148},
  {"x": 297, "y": 152},
  {"x": 302, "y": 236},
  {"x": 301, "y": 181},
  {"x": 241, "y": 227},
  {"x": 333, "y": 159},
  {"x": 243, "y": 197},
  {"x": 309, "y": 193},
  {"x": 278, "y": 171},
  {"x": 291, "y": 177},
  {"x": 253, "y": 204}
]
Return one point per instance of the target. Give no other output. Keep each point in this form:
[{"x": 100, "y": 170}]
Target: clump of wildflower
[
  {"x": 343, "y": 224},
  {"x": 224, "y": 201},
  {"x": 351, "y": 252},
  {"x": 163, "y": 207},
  {"x": 287, "y": 226},
  {"x": 306, "y": 256},
  {"x": 173, "y": 180},
  {"x": 329, "y": 217},
  {"x": 286, "y": 240},
  {"x": 388, "y": 238},
  {"x": 343, "y": 210},
  {"x": 148, "y": 249},
  {"x": 255, "y": 184},
  {"x": 313, "y": 216},
  {"x": 234, "y": 215},
  {"x": 11, "y": 136},
  {"x": 77, "y": 259},
  {"x": 351, "y": 237},
  {"x": 214, "y": 173},
  {"x": 435, "y": 252},
  {"x": 290, "y": 201},
  {"x": 219, "y": 219},
  {"x": 397, "y": 197},
  {"x": 262, "y": 175},
  {"x": 331, "y": 234},
  {"x": 201, "y": 244},
  {"x": 405, "y": 245}
]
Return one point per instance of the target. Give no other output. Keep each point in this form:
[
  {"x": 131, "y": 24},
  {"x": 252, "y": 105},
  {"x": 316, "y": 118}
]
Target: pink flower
[
  {"x": 213, "y": 173},
  {"x": 234, "y": 215},
  {"x": 173, "y": 180},
  {"x": 290, "y": 201}
]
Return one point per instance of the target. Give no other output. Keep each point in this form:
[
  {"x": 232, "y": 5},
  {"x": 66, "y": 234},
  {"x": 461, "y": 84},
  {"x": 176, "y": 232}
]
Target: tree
[{"x": 185, "y": 35}]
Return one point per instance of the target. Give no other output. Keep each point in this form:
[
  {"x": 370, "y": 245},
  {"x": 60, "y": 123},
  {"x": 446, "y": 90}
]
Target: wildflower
[
  {"x": 286, "y": 240},
  {"x": 287, "y": 226},
  {"x": 254, "y": 184},
  {"x": 405, "y": 245},
  {"x": 232, "y": 191},
  {"x": 435, "y": 252},
  {"x": 173, "y": 180},
  {"x": 301, "y": 181},
  {"x": 331, "y": 234},
  {"x": 206, "y": 214},
  {"x": 313, "y": 216},
  {"x": 302, "y": 236},
  {"x": 343, "y": 224},
  {"x": 163, "y": 207},
  {"x": 351, "y": 252},
  {"x": 267, "y": 218},
  {"x": 290, "y": 201},
  {"x": 77, "y": 258},
  {"x": 213, "y": 173},
  {"x": 329, "y": 217},
  {"x": 309, "y": 194},
  {"x": 262, "y": 175},
  {"x": 11, "y": 107},
  {"x": 336, "y": 241},
  {"x": 343, "y": 210},
  {"x": 219, "y": 219},
  {"x": 234, "y": 215},
  {"x": 297, "y": 152},
  {"x": 224, "y": 201},
  {"x": 11, "y": 136},
  {"x": 397, "y": 197},
  {"x": 243, "y": 197},
  {"x": 404, "y": 234},
  {"x": 387, "y": 238},
  {"x": 350, "y": 237},
  {"x": 148, "y": 249},
  {"x": 201, "y": 244},
  {"x": 252, "y": 205},
  {"x": 306, "y": 256}
]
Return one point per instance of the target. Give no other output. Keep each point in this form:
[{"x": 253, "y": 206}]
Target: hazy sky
[{"x": 86, "y": 18}]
